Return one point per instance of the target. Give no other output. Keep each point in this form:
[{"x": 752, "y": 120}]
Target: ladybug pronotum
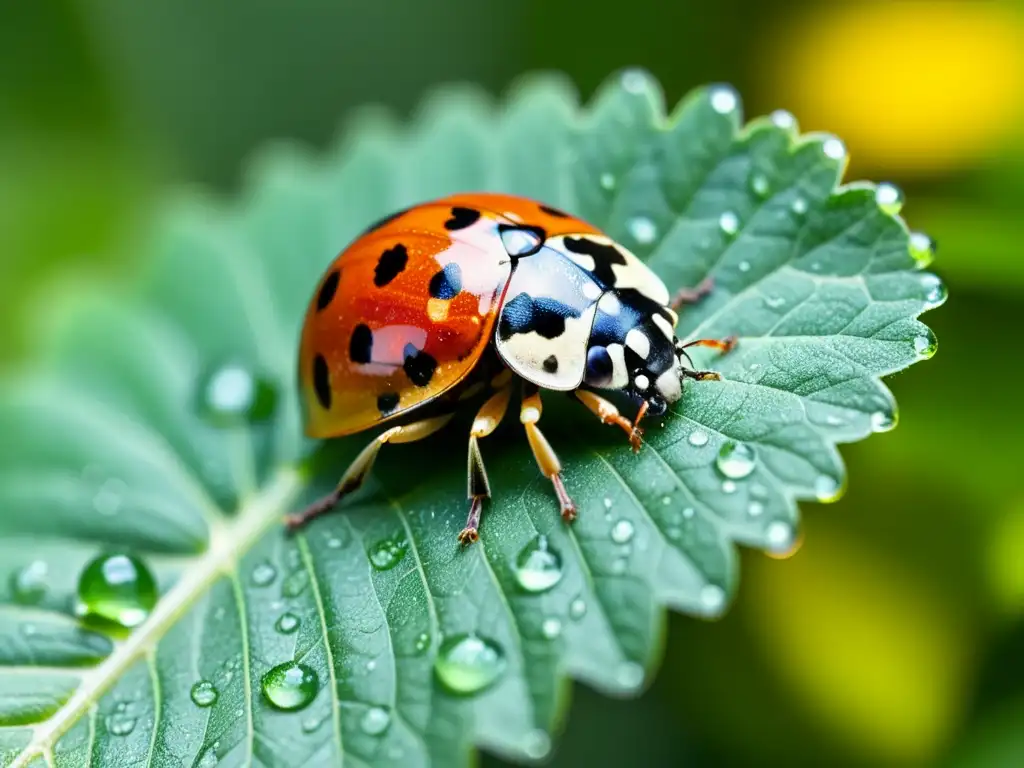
[{"x": 467, "y": 296}]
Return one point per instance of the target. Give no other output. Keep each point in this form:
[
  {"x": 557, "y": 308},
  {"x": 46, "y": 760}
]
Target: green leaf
[{"x": 111, "y": 445}]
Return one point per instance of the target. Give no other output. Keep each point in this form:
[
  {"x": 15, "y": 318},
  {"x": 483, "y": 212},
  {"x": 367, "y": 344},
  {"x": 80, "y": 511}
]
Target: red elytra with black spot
[
  {"x": 406, "y": 311},
  {"x": 470, "y": 294}
]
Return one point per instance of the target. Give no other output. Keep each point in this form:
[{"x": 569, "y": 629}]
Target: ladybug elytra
[{"x": 468, "y": 296}]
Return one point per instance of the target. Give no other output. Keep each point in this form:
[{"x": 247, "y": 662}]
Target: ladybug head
[{"x": 644, "y": 365}]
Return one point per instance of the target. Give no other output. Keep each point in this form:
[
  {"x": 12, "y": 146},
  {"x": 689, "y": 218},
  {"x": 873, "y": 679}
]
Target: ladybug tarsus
[
  {"x": 568, "y": 505},
  {"x": 470, "y": 533}
]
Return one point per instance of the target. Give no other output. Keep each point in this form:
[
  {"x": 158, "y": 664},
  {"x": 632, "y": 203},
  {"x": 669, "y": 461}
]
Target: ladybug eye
[
  {"x": 599, "y": 367},
  {"x": 521, "y": 241}
]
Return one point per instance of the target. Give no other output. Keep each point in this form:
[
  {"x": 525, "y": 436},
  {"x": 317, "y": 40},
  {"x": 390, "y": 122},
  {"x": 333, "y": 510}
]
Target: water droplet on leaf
[
  {"x": 698, "y": 438},
  {"x": 759, "y": 185},
  {"x": 630, "y": 674},
  {"x": 834, "y": 149},
  {"x": 422, "y": 643},
  {"x": 922, "y": 248},
  {"x": 263, "y": 575},
  {"x": 375, "y": 721},
  {"x": 783, "y": 119},
  {"x": 744, "y": 266},
  {"x": 826, "y": 488},
  {"x": 882, "y": 421},
  {"x": 889, "y": 198},
  {"x": 537, "y": 744},
  {"x": 551, "y": 628},
  {"x": 120, "y": 725},
  {"x": 290, "y": 686},
  {"x": 736, "y": 460},
  {"x": 116, "y": 588},
  {"x": 295, "y": 584},
  {"x": 577, "y": 609},
  {"x": 386, "y": 554},
  {"x": 755, "y": 509},
  {"x": 28, "y": 585},
  {"x": 935, "y": 290},
  {"x": 799, "y": 206},
  {"x": 728, "y": 486},
  {"x": 926, "y": 345},
  {"x": 634, "y": 81},
  {"x": 287, "y": 623},
  {"x": 204, "y": 694},
  {"x": 231, "y": 395},
  {"x": 723, "y": 100},
  {"x": 712, "y": 597},
  {"x": 622, "y": 532},
  {"x": 608, "y": 181},
  {"x": 642, "y": 229},
  {"x": 779, "y": 536},
  {"x": 109, "y": 497},
  {"x": 729, "y": 223},
  {"x": 538, "y": 566},
  {"x": 468, "y": 664}
]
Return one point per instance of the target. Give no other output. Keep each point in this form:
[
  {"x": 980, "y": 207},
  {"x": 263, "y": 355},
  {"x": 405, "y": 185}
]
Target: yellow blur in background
[{"x": 895, "y": 635}]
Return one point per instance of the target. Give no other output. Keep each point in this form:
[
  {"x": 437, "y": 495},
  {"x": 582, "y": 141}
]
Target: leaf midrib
[{"x": 229, "y": 540}]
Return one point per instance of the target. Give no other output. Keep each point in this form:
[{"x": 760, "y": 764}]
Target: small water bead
[
  {"x": 833, "y": 148},
  {"x": 577, "y": 609},
  {"x": 666, "y": 500},
  {"x": 736, "y": 460},
  {"x": 468, "y": 664},
  {"x": 889, "y": 198},
  {"x": 926, "y": 345},
  {"x": 642, "y": 229},
  {"x": 116, "y": 588},
  {"x": 607, "y": 181},
  {"x": 619, "y": 566},
  {"x": 729, "y": 223},
  {"x": 935, "y": 290},
  {"x": 371, "y": 665},
  {"x": 28, "y": 585},
  {"x": 208, "y": 759},
  {"x": 779, "y": 536},
  {"x": 634, "y": 81},
  {"x": 799, "y": 206},
  {"x": 698, "y": 438},
  {"x": 375, "y": 721},
  {"x": 287, "y": 623},
  {"x": 233, "y": 395},
  {"x": 385, "y": 555},
  {"x": 551, "y": 628},
  {"x": 607, "y": 503},
  {"x": 712, "y": 597},
  {"x": 758, "y": 491},
  {"x": 422, "y": 643},
  {"x": 204, "y": 694},
  {"x": 622, "y": 532},
  {"x": 538, "y": 566},
  {"x": 29, "y": 630},
  {"x": 312, "y": 724},
  {"x": 826, "y": 488},
  {"x": 537, "y": 744},
  {"x": 110, "y": 497},
  {"x": 784, "y": 119},
  {"x": 744, "y": 266},
  {"x": 295, "y": 584},
  {"x": 263, "y": 575},
  {"x": 922, "y": 248},
  {"x": 724, "y": 100},
  {"x": 759, "y": 185},
  {"x": 629, "y": 675},
  {"x": 120, "y": 725},
  {"x": 881, "y": 421},
  {"x": 755, "y": 509},
  {"x": 689, "y": 512},
  {"x": 290, "y": 686},
  {"x": 728, "y": 486}
]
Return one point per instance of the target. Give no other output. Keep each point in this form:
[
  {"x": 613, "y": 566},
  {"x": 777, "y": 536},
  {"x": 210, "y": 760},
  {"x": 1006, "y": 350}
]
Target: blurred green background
[{"x": 895, "y": 636}]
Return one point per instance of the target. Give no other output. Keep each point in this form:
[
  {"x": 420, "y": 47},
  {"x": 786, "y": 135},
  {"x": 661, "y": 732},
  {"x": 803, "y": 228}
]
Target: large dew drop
[
  {"x": 116, "y": 589},
  {"x": 28, "y": 585},
  {"x": 538, "y": 566},
  {"x": 204, "y": 694},
  {"x": 736, "y": 460},
  {"x": 290, "y": 686},
  {"x": 386, "y": 554},
  {"x": 468, "y": 664},
  {"x": 375, "y": 721}
]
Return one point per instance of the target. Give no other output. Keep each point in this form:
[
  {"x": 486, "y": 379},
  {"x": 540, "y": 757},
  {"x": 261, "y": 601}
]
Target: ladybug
[{"x": 464, "y": 297}]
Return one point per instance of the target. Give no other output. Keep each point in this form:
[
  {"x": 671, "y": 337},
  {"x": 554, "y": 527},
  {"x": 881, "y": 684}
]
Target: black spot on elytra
[
  {"x": 327, "y": 290},
  {"x": 360, "y": 346},
  {"x": 418, "y": 366},
  {"x": 550, "y": 364},
  {"x": 322, "y": 381},
  {"x": 380, "y": 223},
  {"x": 554, "y": 212},
  {"x": 522, "y": 239},
  {"x": 604, "y": 256},
  {"x": 462, "y": 218},
  {"x": 387, "y": 402},
  {"x": 447, "y": 283},
  {"x": 524, "y": 313},
  {"x": 390, "y": 265}
]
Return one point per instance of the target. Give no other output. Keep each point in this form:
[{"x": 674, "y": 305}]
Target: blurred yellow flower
[
  {"x": 1006, "y": 562},
  {"x": 877, "y": 657},
  {"x": 911, "y": 86}
]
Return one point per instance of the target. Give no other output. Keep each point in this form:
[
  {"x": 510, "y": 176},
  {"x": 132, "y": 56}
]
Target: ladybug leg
[
  {"x": 609, "y": 414},
  {"x": 724, "y": 346},
  {"x": 360, "y": 467},
  {"x": 692, "y": 295},
  {"x": 547, "y": 460},
  {"x": 487, "y": 419}
]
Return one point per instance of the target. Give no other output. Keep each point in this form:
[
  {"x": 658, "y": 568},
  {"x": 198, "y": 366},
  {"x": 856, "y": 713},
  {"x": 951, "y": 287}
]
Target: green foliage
[{"x": 164, "y": 423}]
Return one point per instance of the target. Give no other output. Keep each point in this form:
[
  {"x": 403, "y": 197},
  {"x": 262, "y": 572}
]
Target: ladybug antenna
[{"x": 681, "y": 351}]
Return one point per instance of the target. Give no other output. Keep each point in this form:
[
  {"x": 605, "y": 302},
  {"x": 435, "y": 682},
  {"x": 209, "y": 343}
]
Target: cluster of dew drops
[{"x": 118, "y": 591}]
